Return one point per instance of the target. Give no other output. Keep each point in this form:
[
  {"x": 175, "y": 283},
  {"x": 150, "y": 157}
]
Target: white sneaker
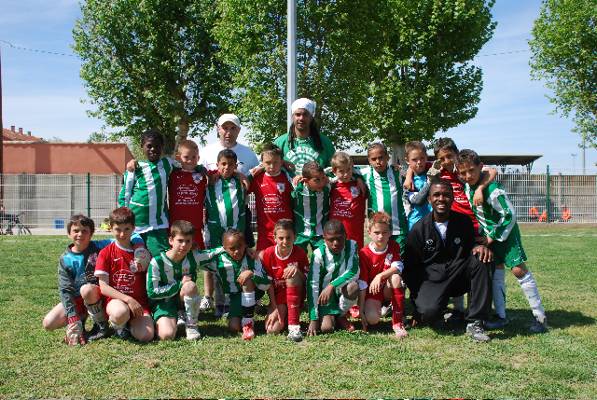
[
  {"x": 206, "y": 303},
  {"x": 385, "y": 310},
  {"x": 193, "y": 332}
]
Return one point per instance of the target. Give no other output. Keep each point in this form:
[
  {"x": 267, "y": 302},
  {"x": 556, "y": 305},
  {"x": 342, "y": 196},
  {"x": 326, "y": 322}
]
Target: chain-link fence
[{"x": 47, "y": 201}]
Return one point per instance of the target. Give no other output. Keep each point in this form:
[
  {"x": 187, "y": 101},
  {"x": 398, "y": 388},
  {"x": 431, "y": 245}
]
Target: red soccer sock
[
  {"x": 294, "y": 297},
  {"x": 397, "y": 306}
]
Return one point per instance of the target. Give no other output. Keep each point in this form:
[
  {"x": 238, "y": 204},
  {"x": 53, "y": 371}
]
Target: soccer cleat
[
  {"x": 476, "y": 332},
  {"x": 124, "y": 334},
  {"x": 99, "y": 331},
  {"x": 400, "y": 331},
  {"x": 248, "y": 332},
  {"x": 538, "y": 327},
  {"x": 206, "y": 303},
  {"x": 295, "y": 335},
  {"x": 345, "y": 324},
  {"x": 354, "y": 312},
  {"x": 385, "y": 310},
  {"x": 180, "y": 319},
  {"x": 192, "y": 332},
  {"x": 498, "y": 323}
]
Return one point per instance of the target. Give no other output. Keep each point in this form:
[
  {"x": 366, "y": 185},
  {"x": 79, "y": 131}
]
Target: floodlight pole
[
  {"x": 1, "y": 141},
  {"x": 291, "y": 58}
]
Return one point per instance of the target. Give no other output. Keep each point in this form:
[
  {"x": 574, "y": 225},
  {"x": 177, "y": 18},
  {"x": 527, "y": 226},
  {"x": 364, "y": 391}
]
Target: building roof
[{"x": 12, "y": 135}]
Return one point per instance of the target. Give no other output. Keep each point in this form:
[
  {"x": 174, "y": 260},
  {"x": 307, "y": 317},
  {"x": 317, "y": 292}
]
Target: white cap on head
[
  {"x": 305, "y": 103},
  {"x": 228, "y": 118}
]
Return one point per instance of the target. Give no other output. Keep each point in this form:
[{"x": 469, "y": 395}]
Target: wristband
[{"x": 74, "y": 319}]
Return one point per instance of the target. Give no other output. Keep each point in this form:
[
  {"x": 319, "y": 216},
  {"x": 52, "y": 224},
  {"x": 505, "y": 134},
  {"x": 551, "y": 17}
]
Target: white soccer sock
[
  {"x": 96, "y": 311},
  {"x": 247, "y": 299},
  {"x": 294, "y": 328},
  {"x": 529, "y": 288},
  {"x": 191, "y": 306},
  {"x": 344, "y": 303},
  {"x": 498, "y": 288},
  {"x": 116, "y": 326},
  {"x": 458, "y": 303}
]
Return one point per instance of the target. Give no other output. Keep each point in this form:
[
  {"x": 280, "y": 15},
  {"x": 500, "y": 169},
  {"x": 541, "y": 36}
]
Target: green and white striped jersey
[
  {"x": 145, "y": 192},
  {"x": 496, "y": 215},
  {"x": 227, "y": 270},
  {"x": 385, "y": 194},
  {"x": 328, "y": 268},
  {"x": 164, "y": 276},
  {"x": 311, "y": 210},
  {"x": 225, "y": 204}
]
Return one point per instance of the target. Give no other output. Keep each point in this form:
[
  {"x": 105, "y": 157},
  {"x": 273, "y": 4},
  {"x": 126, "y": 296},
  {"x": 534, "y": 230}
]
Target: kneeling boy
[
  {"x": 286, "y": 264},
  {"x": 331, "y": 283},
  {"x": 171, "y": 282}
]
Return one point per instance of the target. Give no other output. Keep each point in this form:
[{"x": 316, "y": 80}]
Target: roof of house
[{"x": 10, "y": 135}]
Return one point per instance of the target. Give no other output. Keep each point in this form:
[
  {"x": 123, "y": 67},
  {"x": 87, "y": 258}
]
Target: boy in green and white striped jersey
[
  {"x": 385, "y": 191},
  {"x": 225, "y": 200},
  {"x": 239, "y": 276},
  {"x": 497, "y": 218},
  {"x": 145, "y": 191},
  {"x": 311, "y": 206},
  {"x": 171, "y": 281},
  {"x": 332, "y": 286}
]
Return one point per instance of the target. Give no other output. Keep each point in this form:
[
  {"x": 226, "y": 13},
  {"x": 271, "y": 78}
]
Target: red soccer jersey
[
  {"x": 119, "y": 265},
  {"x": 274, "y": 264},
  {"x": 461, "y": 203},
  {"x": 347, "y": 204},
  {"x": 186, "y": 198},
  {"x": 272, "y": 202},
  {"x": 372, "y": 262}
]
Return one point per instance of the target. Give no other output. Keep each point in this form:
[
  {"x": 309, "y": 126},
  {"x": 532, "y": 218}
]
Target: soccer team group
[{"x": 177, "y": 219}]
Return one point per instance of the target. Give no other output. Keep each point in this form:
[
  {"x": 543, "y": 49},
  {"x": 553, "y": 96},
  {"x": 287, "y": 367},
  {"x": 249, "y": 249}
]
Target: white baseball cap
[
  {"x": 305, "y": 103},
  {"x": 228, "y": 118}
]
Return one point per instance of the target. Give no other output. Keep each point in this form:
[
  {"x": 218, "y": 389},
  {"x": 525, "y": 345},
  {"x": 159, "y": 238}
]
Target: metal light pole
[
  {"x": 573, "y": 163},
  {"x": 291, "y": 58},
  {"x": 1, "y": 141}
]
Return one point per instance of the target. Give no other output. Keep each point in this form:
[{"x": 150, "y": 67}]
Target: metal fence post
[
  {"x": 547, "y": 195},
  {"x": 89, "y": 195}
]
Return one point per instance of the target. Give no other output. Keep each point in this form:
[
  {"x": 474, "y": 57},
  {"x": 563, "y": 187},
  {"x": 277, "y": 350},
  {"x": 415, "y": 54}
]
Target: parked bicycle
[{"x": 9, "y": 223}]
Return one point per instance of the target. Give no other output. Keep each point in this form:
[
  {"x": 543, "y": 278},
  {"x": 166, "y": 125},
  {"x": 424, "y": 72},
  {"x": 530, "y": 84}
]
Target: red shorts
[
  {"x": 379, "y": 296},
  {"x": 146, "y": 309}
]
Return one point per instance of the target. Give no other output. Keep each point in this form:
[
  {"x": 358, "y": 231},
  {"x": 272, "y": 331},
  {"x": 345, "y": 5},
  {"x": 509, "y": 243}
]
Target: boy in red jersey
[
  {"x": 379, "y": 279},
  {"x": 286, "y": 264},
  {"x": 123, "y": 282},
  {"x": 272, "y": 189},
  {"x": 186, "y": 190},
  {"x": 347, "y": 201}
]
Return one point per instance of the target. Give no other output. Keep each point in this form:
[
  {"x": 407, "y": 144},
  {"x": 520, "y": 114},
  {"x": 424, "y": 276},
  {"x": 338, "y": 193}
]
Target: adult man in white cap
[
  {"x": 303, "y": 142},
  {"x": 228, "y": 129}
]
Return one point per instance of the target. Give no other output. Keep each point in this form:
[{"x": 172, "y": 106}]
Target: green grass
[{"x": 560, "y": 364}]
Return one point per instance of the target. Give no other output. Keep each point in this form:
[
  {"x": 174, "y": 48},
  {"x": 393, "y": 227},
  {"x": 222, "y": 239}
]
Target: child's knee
[
  {"x": 520, "y": 270},
  {"x": 118, "y": 312},
  {"x": 90, "y": 293},
  {"x": 395, "y": 281},
  {"x": 327, "y": 324},
  {"x": 351, "y": 291},
  {"x": 49, "y": 323}
]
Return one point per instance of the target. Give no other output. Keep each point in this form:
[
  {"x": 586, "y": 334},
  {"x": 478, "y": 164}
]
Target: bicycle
[{"x": 12, "y": 221}]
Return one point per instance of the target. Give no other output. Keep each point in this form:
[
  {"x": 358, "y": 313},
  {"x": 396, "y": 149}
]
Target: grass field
[{"x": 429, "y": 363}]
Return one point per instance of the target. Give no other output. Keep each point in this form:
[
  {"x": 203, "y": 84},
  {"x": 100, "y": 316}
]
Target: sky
[{"x": 43, "y": 93}]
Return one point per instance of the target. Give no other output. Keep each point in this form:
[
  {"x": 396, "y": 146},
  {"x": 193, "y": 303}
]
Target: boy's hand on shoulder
[
  {"x": 297, "y": 179},
  {"x": 483, "y": 253},
  {"x": 131, "y": 165},
  {"x": 288, "y": 165},
  {"x": 213, "y": 177},
  {"x": 244, "y": 276},
  {"x": 313, "y": 328},
  {"x": 478, "y": 197},
  {"x": 258, "y": 170},
  {"x": 435, "y": 169},
  {"x": 142, "y": 257}
]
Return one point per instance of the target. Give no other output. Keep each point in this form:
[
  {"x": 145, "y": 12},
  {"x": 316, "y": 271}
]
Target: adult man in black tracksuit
[{"x": 442, "y": 261}]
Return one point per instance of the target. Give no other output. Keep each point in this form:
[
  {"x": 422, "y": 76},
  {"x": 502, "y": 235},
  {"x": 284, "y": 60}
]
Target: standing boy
[
  {"x": 331, "y": 283},
  {"x": 416, "y": 158},
  {"x": 498, "y": 220},
  {"x": 311, "y": 205},
  {"x": 123, "y": 282},
  {"x": 272, "y": 188},
  {"x": 347, "y": 201}
]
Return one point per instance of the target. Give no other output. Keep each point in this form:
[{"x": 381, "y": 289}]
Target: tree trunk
[
  {"x": 397, "y": 153},
  {"x": 182, "y": 132}
]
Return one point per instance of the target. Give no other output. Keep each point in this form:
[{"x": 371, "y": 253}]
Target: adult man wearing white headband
[
  {"x": 303, "y": 142},
  {"x": 228, "y": 129}
]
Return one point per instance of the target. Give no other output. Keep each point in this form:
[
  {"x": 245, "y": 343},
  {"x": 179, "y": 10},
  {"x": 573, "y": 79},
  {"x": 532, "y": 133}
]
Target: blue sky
[{"x": 43, "y": 92}]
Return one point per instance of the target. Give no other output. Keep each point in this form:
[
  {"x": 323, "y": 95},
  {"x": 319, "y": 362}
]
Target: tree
[
  {"x": 564, "y": 53},
  {"x": 388, "y": 69},
  {"x": 152, "y": 63}
]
